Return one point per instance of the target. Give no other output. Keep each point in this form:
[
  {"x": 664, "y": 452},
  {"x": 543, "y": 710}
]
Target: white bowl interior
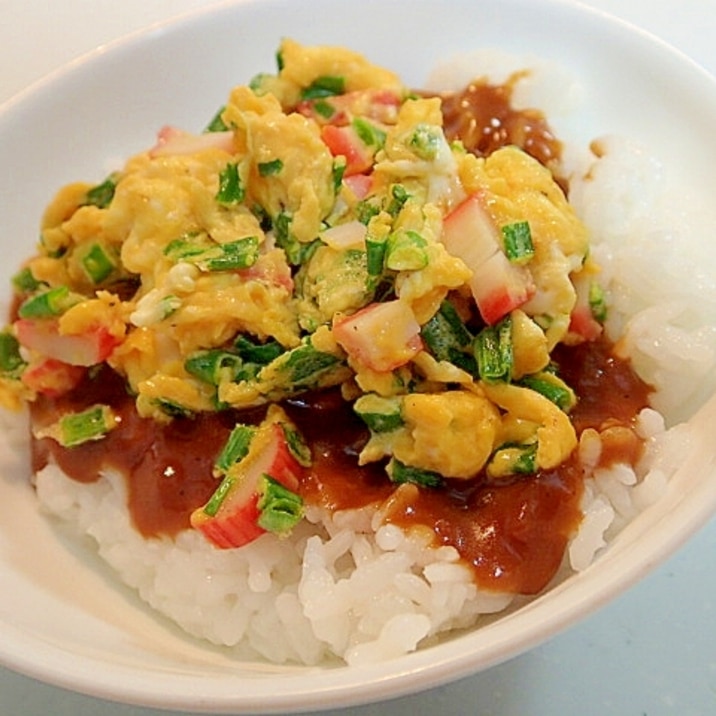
[{"x": 62, "y": 617}]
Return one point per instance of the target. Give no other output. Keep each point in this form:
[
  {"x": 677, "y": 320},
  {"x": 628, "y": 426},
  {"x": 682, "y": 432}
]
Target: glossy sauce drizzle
[
  {"x": 483, "y": 118},
  {"x": 513, "y": 535}
]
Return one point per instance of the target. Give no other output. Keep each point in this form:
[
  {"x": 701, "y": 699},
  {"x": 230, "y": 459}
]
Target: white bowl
[{"x": 63, "y": 619}]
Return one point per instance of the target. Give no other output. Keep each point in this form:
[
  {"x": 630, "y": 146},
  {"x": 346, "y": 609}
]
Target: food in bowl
[{"x": 335, "y": 377}]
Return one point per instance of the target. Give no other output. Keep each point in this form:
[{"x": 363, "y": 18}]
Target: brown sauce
[
  {"x": 168, "y": 467},
  {"x": 483, "y": 118},
  {"x": 513, "y": 535},
  {"x": 609, "y": 390}
]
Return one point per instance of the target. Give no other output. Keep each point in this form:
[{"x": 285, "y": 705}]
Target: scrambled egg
[{"x": 323, "y": 233}]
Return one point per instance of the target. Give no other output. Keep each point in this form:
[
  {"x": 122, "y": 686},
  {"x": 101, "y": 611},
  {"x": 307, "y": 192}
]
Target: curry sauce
[{"x": 513, "y": 534}]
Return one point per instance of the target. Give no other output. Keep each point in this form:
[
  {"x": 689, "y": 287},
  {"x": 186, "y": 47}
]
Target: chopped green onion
[
  {"x": 262, "y": 353},
  {"x": 375, "y": 255},
  {"x": 297, "y": 253},
  {"x": 230, "y": 189},
  {"x": 259, "y": 81},
  {"x": 284, "y": 239},
  {"x": 380, "y": 414},
  {"x": 297, "y": 446},
  {"x": 24, "y": 282},
  {"x": 325, "y": 86},
  {"x": 324, "y": 109},
  {"x": 304, "y": 364},
  {"x": 301, "y": 368},
  {"x": 235, "y": 448},
  {"x": 597, "y": 302},
  {"x": 339, "y": 169},
  {"x": 279, "y": 508},
  {"x": 270, "y": 168},
  {"x": 262, "y": 217},
  {"x": 368, "y": 133},
  {"x": 11, "y": 362},
  {"x": 425, "y": 142},
  {"x": 493, "y": 351},
  {"x": 168, "y": 305},
  {"x": 366, "y": 210},
  {"x": 232, "y": 256},
  {"x": 102, "y": 194},
  {"x": 517, "y": 240},
  {"x": 513, "y": 460},
  {"x": 97, "y": 263},
  {"x": 375, "y": 251},
  {"x": 400, "y": 473},
  {"x": 448, "y": 339},
  {"x": 187, "y": 246},
  {"x": 406, "y": 251},
  {"x": 551, "y": 387},
  {"x": 282, "y": 227},
  {"x": 214, "y": 366},
  {"x": 455, "y": 331},
  {"x": 215, "y": 501},
  {"x": 77, "y": 428},
  {"x": 217, "y": 123},
  {"x": 399, "y": 196},
  {"x": 173, "y": 409},
  {"x": 280, "y": 64},
  {"x": 48, "y": 304}
]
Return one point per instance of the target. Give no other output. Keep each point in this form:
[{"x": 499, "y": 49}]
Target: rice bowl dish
[
  {"x": 355, "y": 588},
  {"x": 459, "y": 391}
]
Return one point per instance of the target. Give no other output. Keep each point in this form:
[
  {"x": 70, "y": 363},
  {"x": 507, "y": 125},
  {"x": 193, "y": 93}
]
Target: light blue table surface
[{"x": 652, "y": 652}]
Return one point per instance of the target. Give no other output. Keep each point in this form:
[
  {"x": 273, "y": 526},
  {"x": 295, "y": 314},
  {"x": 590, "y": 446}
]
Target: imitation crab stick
[
  {"x": 382, "y": 336},
  {"x": 498, "y": 285},
  {"x": 258, "y": 492},
  {"x": 346, "y": 142},
  {"x": 379, "y": 105},
  {"x": 83, "y": 349},
  {"x": 589, "y": 310},
  {"x": 51, "y": 378}
]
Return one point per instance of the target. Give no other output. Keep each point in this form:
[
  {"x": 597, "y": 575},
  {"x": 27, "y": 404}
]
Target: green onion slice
[
  {"x": 379, "y": 413},
  {"x": 517, "y": 240},
  {"x": 551, "y": 387},
  {"x": 425, "y": 142},
  {"x": 493, "y": 351},
  {"x": 400, "y": 473},
  {"x": 11, "y": 362},
  {"x": 280, "y": 509},
  {"x": 102, "y": 194},
  {"x": 270, "y": 168},
  {"x": 74, "y": 429},
  {"x": 49, "y": 303},
  {"x": 324, "y": 86},
  {"x": 97, "y": 263},
  {"x": 230, "y": 190},
  {"x": 406, "y": 251},
  {"x": 235, "y": 448}
]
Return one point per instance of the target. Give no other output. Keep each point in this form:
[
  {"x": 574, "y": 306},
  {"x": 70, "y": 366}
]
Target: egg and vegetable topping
[{"x": 325, "y": 233}]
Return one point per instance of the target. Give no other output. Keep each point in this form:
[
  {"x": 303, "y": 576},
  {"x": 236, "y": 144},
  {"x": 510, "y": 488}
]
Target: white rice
[
  {"x": 347, "y": 589},
  {"x": 342, "y": 587}
]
